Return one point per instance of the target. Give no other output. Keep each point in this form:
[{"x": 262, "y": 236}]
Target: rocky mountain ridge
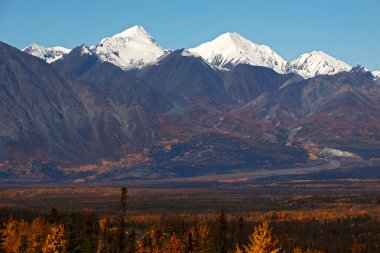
[{"x": 135, "y": 48}]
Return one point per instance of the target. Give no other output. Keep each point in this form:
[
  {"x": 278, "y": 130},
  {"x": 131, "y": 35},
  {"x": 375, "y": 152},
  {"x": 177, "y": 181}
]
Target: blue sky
[{"x": 346, "y": 29}]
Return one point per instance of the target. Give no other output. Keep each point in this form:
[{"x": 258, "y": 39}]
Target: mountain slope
[
  {"x": 117, "y": 85},
  {"x": 246, "y": 82},
  {"x": 78, "y": 62},
  {"x": 132, "y": 48},
  {"x": 51, "y": 120},
  {"x": 231, "y": 49},
  {"x": 348, "y": 119},
  {"x": 317, "y": 63},
  {"x": 49, "y": 54},
  {"x": 340, "y": 111},
  {"x": 189, "y": 77},
  {"x": 42, "y": 116}
]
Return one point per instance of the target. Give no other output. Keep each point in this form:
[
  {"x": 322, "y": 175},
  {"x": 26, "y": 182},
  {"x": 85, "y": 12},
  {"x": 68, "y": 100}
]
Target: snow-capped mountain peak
[
  {"x": 359, "y": 69},
  {"x": 132, "y": 48},
  {"x": 231, "y": 49},
  {"x": 134, "y": 32},
  {"x": 376, "y": 74},
  {"x": 317, "y": 63},
  {"x": 85, "y": 50},
  {"x": 49, "y": 54}
]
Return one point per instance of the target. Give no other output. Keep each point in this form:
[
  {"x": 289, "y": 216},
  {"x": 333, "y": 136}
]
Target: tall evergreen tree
[
  {"x": 190, "y": 242},
  {"x": 53, "y": 216},
  {"x": 2, "y": 234},
  {"x": 72, "y": 244},
  {"x": 131, "y": 245},
  {"x": 122, "y": 216},
  {"x": 221, "y": 233},
  {"x": 240, "y": 232},
  {"x": 89, "y": 235}
]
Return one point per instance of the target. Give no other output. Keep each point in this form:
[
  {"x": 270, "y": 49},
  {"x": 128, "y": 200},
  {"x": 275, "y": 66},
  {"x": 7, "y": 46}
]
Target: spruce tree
[
  {"x": 53, "y": 216},
  {"x": 221, "y": 233},
  {"x": 2, "y": 234},
  {"x": 131, "y": 246},
  {"x": 240, "y": 232},
  {"x": 71, "y": 237},
  {"x": 89, "y": 235},
  {"x": 122, "y": 216},
  {"x": 190, "y": 242}
]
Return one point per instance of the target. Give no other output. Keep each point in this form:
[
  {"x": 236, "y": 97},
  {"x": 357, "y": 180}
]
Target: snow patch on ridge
[
  {"x": 376, "y": 74},
  {"x": 337, "y": 153},
  {"x": 84, "y": 50},
  {"x": 48, "y": 54},
  {"x": 188, "y": 53}
]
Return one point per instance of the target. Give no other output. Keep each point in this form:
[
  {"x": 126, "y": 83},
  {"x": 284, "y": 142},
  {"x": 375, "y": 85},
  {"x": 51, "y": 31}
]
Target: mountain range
[
  {"x": 136, "y": 48},
  {"x": 126, "y": 108}
]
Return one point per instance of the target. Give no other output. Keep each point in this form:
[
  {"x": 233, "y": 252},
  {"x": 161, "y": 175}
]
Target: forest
[{"x": 87, "y": 231}]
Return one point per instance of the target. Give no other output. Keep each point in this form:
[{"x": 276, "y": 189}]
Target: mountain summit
[
  {"x": 48, "y": 54},
  {"x": 317, "y": 63},
  {"x": 136, "y": 31},
  {"x": 231, "y": 49},
  {"x": 132, "y": 48},
  {"x": 376, "y": 74}
]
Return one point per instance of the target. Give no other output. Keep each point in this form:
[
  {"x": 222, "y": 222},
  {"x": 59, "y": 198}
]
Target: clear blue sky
[{"x": 346, "y": 29}]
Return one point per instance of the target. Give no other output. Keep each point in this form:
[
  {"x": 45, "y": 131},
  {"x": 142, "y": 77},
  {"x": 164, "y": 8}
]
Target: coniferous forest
[{"x": 273, "y": 231}]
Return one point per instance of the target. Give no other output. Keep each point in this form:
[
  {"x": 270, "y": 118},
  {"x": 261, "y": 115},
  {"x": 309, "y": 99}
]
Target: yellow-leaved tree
[
  {"x": 238, "y": 250},
  {"x": 55, "y": 242},
  {"x": 262, "y": 241},
  {"x": 173, "y": 246}
]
